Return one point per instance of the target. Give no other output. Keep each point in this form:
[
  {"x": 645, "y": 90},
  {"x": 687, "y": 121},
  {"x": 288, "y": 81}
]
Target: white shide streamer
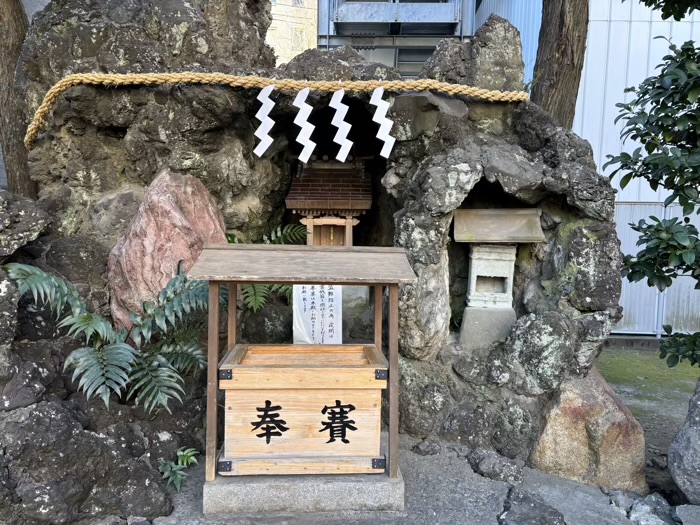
[
  {"x": 384, "y": 123},
  {"x": 302, "y": 120},
  {"x": 341, "y": 136},
  {"x": 266, "y": 123}
]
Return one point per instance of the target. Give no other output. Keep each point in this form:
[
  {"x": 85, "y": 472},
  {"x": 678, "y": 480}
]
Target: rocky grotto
[{"x": 132, "y": 180}]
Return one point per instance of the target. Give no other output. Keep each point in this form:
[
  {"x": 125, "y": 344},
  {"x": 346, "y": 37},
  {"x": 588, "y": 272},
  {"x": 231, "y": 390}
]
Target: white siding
[
  {"x": 641, "y": 303},
  {"x": 622, "y": 51}
]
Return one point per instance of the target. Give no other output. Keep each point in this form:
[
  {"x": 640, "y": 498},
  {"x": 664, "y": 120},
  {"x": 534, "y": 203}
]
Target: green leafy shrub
[
  {"x": 673, "y": 8},
  {"x": 256, "y": 296},
  {"x": 174, "y": 472},
  {"x": 671, "y": 248},
  {"x": 664, "y": 117},
  {"x": 146, "y": 363},
  {"x": 680, "y": 347}
]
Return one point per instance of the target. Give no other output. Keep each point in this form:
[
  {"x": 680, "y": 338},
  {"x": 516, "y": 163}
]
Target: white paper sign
[{"x": 318, "y": 314}]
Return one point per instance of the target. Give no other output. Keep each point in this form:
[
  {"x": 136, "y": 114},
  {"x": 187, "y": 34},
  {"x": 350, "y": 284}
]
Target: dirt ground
[{"x": 657, "y": 396}]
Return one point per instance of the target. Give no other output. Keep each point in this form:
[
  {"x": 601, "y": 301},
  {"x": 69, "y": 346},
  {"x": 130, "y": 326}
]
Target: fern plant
[
  {"x": 146, "y": 363},
  {"x": 173, "y": 472},
  {"x": 256, "y": 296}
]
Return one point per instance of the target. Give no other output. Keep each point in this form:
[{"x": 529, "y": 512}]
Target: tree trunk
[
  {"x": 562, "y": 46},
  {"x": 12, "y": 118}
]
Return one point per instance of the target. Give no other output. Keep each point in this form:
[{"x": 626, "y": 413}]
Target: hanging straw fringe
[{"x": 39, "y": 122}]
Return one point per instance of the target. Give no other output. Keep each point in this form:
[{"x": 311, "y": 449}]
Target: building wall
[
  {"x": 293, "y": 29},
  {"x": 622, "y": 51}
]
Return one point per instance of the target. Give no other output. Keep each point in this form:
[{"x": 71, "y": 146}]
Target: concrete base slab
[
  {"x": 291, "y": 494},
  {"x": 483, "y": 326}
]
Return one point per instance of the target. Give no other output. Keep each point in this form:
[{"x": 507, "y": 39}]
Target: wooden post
[
  {"x": 393, "y": 380},
  {"x": 212, "y": 379},
  {"x": 232, "y": 310},
  {"x": 309, "y": 223},
  {"x": 348, "y": 231},
  {"x": 378, "y": 293}
]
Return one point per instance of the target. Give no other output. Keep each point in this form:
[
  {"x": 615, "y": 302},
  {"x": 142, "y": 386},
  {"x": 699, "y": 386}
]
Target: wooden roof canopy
[
  {"x": 297, "y": 264},
  {"x": 330, "y": 186}
]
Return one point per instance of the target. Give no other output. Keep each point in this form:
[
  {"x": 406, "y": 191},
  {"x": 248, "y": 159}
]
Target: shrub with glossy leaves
[
  {"x": 664, "y": 118},
  {"x": 673, "y": 8}
]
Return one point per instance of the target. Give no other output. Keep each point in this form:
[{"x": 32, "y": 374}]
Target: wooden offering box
[
  {"x": 312, "y": 381},
  {"x": 302, "y": 409}
]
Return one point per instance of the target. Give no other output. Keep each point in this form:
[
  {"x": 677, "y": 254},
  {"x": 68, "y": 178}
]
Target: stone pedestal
[
  {"x": 291, "y": 494},
  {"x": 483, "y": 326}
]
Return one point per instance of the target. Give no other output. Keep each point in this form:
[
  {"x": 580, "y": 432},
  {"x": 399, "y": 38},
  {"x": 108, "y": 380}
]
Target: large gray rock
[
  {"x": 684, "y": 452},
  {"x": 36, "y": 373},
  {"x": 136, "y": 36},
  {"x": 61, "y": 473},
  {"x": 21, "y": 221},
  {"x": 522, "y": 508},
  {"x": 689, "y": 514},
  {"x": 566, "y": 290},
  {"x": 343, "y": 63},
  {"x": 9, "y": 295},
  {"x": 493, "y": 59},
  {"x": 93, "y": 176}
]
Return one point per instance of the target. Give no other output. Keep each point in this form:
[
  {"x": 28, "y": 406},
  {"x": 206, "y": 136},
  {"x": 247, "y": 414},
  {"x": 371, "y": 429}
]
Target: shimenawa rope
[{"x": 39, "y": 122}]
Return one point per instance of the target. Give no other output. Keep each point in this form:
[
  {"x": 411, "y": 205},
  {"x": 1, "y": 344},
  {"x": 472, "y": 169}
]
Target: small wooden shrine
[
  {"x": 330, "y": 196},
  {"x": 302, "y": 409}
]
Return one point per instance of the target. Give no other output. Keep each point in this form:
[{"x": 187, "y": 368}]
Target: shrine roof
[
  {"x": 300, "y": 264},
  {"x": 501, "y": 225},
  {"x": 334, "y": 188}
]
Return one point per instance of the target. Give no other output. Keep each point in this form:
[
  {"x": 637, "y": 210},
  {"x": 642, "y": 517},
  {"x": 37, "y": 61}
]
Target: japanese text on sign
[{"x": 318, "y": 314}]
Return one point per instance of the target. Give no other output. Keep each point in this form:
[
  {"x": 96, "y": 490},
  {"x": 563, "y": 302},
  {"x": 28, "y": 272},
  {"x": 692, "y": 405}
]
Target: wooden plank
[
  {"x": 212, "y": 380},
  {"x": 284, "y": 377},
  {"x": 303, "y": 352},
  {"x": 306, "y": 359},
  {"x": 303, "y": 366},
  {"x": 301, "y": 411},
  {"x": 321, "y": 465},
  {"x": 376, "y": 358},
  {"x": 232, "y": 313},
  {"x": 233, "y": 356},
  {"x": 303, "y": 264},
  {"x": 241, "y": 247},
  {"x": 498, "y": 225},
  {"x": 378, "y": 296},
  {"x": 393, "y": 381}
]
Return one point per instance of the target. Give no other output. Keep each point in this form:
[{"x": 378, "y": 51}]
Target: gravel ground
[{"x": 440, "y": 490}]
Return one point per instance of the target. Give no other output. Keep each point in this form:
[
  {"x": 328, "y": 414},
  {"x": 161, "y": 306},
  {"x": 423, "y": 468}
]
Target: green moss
[{"x": 648, "y": 386}]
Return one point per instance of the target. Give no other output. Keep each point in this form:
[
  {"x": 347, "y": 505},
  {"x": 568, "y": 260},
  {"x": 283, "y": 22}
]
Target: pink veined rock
[{"x": 177, "y": 217}]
